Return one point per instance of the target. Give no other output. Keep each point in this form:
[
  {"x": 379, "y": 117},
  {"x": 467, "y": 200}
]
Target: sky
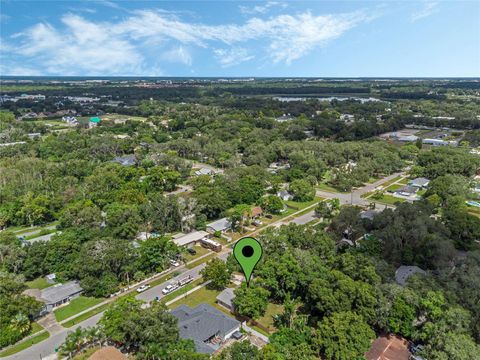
[{"x": 421, "y": 38}]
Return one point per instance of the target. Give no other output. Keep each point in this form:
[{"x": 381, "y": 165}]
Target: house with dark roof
[
  {"x": 59, "y": 294},
  {"x": 407, "y": 190},
  {"x": 208, "y": 327},
  {"x": 404, "y": 272},
  {"x": 368, "y": 214}
]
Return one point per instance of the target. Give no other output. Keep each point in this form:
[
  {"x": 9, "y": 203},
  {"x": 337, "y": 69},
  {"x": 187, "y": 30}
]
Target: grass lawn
[
  {"x": 85, "y": 316},
  {"x": 26, "y": 344},
  {"x": 200, "y": 251},
  {"x": 39, "y": 283},
  {"x": 76, "y": 305},
  {"x": 35, "y": 328},
  {"x": 267, "y": 319},
  {"x": 202, "y": 295},
  {"x": 388, "y": 199},
  {"x": 297, "y": 205},
  {"x": 325, "y": 187},
  {"x": 200, "y": 261}
]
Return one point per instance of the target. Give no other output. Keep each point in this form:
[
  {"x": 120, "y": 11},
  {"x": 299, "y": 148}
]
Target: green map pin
[{"x": 248, "y": 252}]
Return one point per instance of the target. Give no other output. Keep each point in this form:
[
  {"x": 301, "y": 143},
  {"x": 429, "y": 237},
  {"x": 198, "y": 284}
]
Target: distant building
[
  {"x": 34, "y": 135},
  {"x": 284, "y": 118},
  {"x": 127, "y": 160},
  {"x": 408, "y": 138},
  {"x": 404, "y": 272},
  {"x": 51, "y": 278},
  {"x": 59, "y": 294},
  {"x": 190, "y": 239},
  {"x": 225, "y": 298},
  {"x": 388, "y": 347},
  {"x": 284, "y": 195},
  {"x": 368, "y": 214},
  {"x": 219, "y": 225},
  {"x": 94, "y": 121},
  {"x": 435, "y": 142},
  {"x": 208, "y": 327},
  {"x": 256, "y": 212},
  {"x": 420, "y": 183},
  {"x": 211, "y": 244},
  {"x": 347, "y": 118},
  {"x": 204, "y": 171}
]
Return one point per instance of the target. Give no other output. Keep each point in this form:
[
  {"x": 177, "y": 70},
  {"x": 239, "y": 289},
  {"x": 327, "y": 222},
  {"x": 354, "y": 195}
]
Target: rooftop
[
  {"x": 203, "y": 324},
  {"x": 107, "y": 353},
  {"x": 60, "y": 292},
  {"x": 404, "y": 272},
  {"x": 226, "y": 297},
  {"x": 127, "y": 160},
  {"x": 419, "y": 182},
  {"x": 388, "y": 347},
  {"x": 190, "y": 237},
  {"x": 220, "y": 225}
]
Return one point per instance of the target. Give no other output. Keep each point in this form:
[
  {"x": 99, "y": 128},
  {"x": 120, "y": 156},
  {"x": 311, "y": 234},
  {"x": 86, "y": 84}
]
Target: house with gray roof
[
  {"x": 204, "y": 171},
  {"x": 127, "y": 160},
  {"x": 220, "y": 225},
  {"x": 225, "y": 298},
  {"x": 420, "y": 183},
  {"x": 208, "y": 327},
  {"x": 407, "y": 190},
  {"x": 368, "y": 214},
  {"x": 59, "y": 294},
  {"x": 190, "y": 239},
  {"x": 404, "y": 272}
]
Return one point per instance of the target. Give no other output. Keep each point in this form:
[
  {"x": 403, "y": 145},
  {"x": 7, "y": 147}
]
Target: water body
[{"x": 329, "y": 99}]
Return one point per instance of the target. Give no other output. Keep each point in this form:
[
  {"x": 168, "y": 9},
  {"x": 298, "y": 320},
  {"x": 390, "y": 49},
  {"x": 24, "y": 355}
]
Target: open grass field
[
  {"x": 76, "y": 305},
  {"x": 390, "y": 200},
  {"x": 25, "y": 344},
  {"x": 326, "y": 187}
]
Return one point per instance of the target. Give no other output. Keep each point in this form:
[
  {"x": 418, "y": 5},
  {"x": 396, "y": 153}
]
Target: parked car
[
  {"x": 192, "y": 251},
  {"x": 269, "y": 216},
  {"x": 174, "y": 263},
  {"x": 257, "y": 222},
  {"x": 143, "y": 288}
]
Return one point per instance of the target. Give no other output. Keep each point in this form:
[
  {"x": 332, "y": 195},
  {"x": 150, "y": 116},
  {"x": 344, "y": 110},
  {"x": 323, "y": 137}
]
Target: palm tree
[{"x": 21, "y": 323}]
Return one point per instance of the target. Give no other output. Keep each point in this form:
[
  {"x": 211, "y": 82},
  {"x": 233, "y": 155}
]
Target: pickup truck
[{"x": 169, "y": 288}]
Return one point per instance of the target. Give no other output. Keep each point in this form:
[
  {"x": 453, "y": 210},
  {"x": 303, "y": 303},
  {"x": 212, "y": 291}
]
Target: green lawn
[
  {"x": 297, "y": 205},
  {"x": 200, "y": 251},
  {"x": 39, "y": 283},
  {"x": 25, "y": 344},
  {"x": 85, "y": 316},
  {"x": 76, "y": 305},
  {"x": 202, "y": 295},
  {"x": 325, "y": 187},
  {"x": 35, "y": 328},
  {"x": 267, "y": 319},
  {"x": 388, "y": 199},
  {"x": 200, "y": 261}
]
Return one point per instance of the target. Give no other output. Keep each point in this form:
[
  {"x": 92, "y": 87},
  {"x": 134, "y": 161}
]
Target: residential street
[{"x": 47, "y": 347}]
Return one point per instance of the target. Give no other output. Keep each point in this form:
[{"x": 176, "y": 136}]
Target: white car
[
  {"x": 168, "y": 289},
  {"x": 143, "y": 288},
  {"x": 174, "y": 263}
]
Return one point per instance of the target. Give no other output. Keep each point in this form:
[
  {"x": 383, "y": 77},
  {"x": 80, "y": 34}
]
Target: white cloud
[
  {"x": 125, "y": 47},
  {"x": 261, "y": 9},
  {"x": 428, "y": 9},
  {"x": 178, "y": 54},
  {"x": 231, "y": 57}
]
